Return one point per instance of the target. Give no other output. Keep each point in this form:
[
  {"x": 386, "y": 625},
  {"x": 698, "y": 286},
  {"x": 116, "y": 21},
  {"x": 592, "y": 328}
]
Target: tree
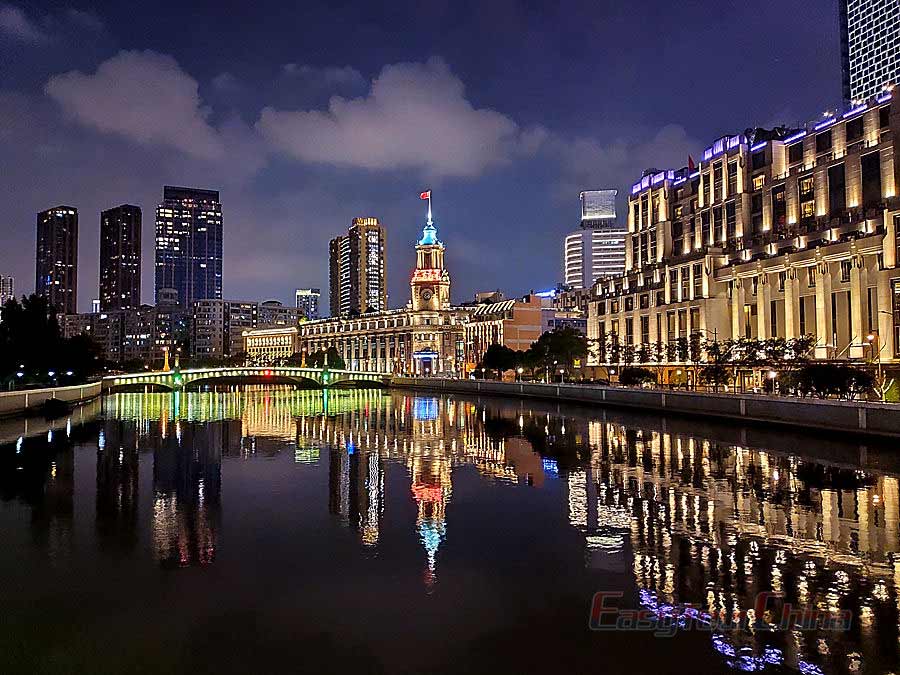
[
  {"x": 330, "y": 357},
  {"x": 31, "y": 343},
  {"x": 715, "y": 374},
  {"x": 500, "y": 358},
  {"x": 827, "y": 379}
]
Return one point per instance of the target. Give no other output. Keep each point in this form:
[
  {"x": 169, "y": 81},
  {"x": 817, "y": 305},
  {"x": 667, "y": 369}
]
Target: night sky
[{"x": 307, "y": 114}]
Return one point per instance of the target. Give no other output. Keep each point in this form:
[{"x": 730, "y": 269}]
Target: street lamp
[
  {"x": 562, "y": 375},
  {"x": 519, "y": 372}
]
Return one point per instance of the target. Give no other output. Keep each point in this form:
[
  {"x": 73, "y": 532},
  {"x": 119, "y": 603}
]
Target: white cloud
[
  {"x": 14, "y": 22},
  {"x": 142, "y": 96},
  {"x": 331, "y": 76},
  {"x": 587, "y": 164},
  {"x": 415, "y": 116}
]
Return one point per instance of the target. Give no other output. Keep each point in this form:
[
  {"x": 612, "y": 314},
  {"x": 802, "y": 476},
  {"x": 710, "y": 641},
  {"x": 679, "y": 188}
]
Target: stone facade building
[{"x": 777, "y": 233}]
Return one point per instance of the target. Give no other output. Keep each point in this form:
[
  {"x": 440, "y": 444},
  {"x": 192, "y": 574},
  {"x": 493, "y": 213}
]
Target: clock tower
[{"x": 430, "y": 283}]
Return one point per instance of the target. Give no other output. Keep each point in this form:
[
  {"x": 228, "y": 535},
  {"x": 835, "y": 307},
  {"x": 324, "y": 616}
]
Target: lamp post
[
  {"x": 519, "y": 372},
  {"x": 876, "y": 347}
]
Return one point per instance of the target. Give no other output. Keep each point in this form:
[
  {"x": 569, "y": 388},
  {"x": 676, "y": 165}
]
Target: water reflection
[{"x": 689, "y": 514}]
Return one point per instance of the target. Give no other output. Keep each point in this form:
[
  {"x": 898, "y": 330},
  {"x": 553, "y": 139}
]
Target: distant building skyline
[
  {"x": 307, "y": 300},
  {"x": 56, "y": 257},
  {"x": 189, "y": 243},
  {"x": 120, "y": 258}
]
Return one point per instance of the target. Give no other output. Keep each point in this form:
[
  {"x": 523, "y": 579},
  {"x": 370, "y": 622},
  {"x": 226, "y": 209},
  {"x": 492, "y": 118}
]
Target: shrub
[{"x": 636, "y": 376}]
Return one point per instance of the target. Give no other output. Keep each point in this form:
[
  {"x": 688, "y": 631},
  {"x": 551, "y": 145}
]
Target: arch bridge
[{"x": 314, "y": 378}]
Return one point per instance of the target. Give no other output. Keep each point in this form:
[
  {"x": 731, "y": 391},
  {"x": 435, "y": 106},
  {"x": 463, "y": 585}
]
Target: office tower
[
  {"x": 56, "y": 258},
  {"x": 870, "y": 47},
  {"x": 357, "y": 269},
  {"x": 597, "y": 249},
  {"x": 189, "y": 245},
  {"x": 308, "y": 302},
  {"x": 120, "y": 258},
  {"x": 7, "y": 289}
]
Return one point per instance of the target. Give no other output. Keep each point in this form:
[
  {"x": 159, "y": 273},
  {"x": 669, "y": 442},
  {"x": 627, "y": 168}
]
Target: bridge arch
[{"x": 297, "y": 381}]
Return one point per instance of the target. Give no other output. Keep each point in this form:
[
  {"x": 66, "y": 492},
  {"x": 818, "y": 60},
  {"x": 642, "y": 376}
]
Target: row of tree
[
  {"x": 553, "y": 351},
  {"x": 31, "y": 343}
]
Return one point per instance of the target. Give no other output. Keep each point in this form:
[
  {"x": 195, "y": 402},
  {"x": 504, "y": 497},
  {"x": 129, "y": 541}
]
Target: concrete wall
[
  {"x": 847, "y": 416},
  {"x": 16, "y": 402}
]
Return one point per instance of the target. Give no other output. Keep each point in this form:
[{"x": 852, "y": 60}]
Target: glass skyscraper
[
  {"x": 188, "y": 245},
  {"x": 120, "y": 258},
  {"x": 56, "y": 257},
  {"x": 597, "y": 249},
  {"x": 870, "y": 47}
]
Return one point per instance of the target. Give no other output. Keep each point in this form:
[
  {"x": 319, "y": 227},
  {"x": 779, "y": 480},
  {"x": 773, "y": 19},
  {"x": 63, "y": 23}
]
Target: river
[{"x": 274, "y": 530}]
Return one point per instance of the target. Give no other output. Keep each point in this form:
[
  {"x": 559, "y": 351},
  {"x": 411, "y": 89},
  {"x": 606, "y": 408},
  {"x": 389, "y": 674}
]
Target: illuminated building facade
[
  {"x": 189, "y": 245},
  {"x": 270, "y": 346},
  {"x": 357, "y": 269},
  {"x": 425, "y": 338},
  {"x": 56, "y": 258},
  {"x": 511, "y": 323},
  {"x": 7, "y": 288},
  {"x": 597, "y": 249},
  {"x": 870, "y": 47},
  {"x": 120, "y": 258},
  {"x": 781, "y": 234}
]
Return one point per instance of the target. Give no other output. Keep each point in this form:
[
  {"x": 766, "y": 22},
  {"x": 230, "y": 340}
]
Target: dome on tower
[{"x": 429, "y": 236}]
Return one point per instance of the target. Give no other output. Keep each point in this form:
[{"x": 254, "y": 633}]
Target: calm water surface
[{"x": 273, "y": 530}]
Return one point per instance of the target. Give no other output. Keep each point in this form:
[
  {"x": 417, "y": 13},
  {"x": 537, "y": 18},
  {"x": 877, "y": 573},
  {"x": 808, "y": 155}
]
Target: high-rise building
[
  {"x": 308, "y": 302},
  {"x": 189, "y": 245},
  {"x": 357, "y": 269},
  {"x": 217, "y": 327},
  {"x": 597, "y": 249},
  {"x": 120, "y": 258},
  {"x": 870, "y": 47},
  {"x": 56, "y": 258},
  {"x": 7, "y": 289}
]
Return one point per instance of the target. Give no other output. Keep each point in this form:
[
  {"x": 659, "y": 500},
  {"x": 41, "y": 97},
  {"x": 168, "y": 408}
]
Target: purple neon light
[
  {"x": 884, "y": 98},
  {"x": 795, "y": 137},
  {"x": 826, "y": 123},
  {"x": 855, "y": 111},
  {"x": 758, "y": 146}
]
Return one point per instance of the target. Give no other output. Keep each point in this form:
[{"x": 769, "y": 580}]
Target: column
[
  {"x": 824, "y": 333},
  {"x": 737, "y": 308},
  {"x": 763, "y": 307},
  {"x": 791, "y": 303},
  {"x": 858, "y": 300},
  {"x": 886, "y": 336}
]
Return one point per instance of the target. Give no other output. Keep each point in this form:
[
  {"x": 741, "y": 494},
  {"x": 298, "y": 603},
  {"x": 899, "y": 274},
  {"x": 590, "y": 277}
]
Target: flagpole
[{"x": 429, "y": 207}]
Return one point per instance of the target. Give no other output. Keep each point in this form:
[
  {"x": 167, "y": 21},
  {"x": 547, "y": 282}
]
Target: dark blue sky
[{"x": 305, "y": 115}]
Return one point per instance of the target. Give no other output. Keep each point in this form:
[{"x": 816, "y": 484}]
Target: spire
[{"x": 429, "y": 232}]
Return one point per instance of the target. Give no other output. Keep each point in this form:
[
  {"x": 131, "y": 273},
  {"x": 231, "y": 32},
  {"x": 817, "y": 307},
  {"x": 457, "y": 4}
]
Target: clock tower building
[{"x": 430, "y": 283}]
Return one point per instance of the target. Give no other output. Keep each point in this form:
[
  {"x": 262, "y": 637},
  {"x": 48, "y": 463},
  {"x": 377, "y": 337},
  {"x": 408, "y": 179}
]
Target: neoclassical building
[
  {"x": 777, "y": 233},
  {"x": 426, "y": 337}
]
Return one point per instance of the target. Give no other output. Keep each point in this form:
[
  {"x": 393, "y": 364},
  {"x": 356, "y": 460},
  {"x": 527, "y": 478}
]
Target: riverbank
[
  {"x": 19, "y": 402},
  {"x": 880, "y": 419}
]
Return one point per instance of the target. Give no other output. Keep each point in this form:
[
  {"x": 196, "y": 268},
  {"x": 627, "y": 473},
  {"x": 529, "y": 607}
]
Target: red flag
[
  {"x": 425, "y": 195},
  {"x": 691, "y": 165}
]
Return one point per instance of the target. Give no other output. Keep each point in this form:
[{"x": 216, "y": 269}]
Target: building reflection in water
[
  {"x": 117, "y": 485},
  {"x": 713, "y": 525}
]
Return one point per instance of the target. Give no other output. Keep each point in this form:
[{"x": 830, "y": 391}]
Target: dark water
[{"x": 277, "y": 531}]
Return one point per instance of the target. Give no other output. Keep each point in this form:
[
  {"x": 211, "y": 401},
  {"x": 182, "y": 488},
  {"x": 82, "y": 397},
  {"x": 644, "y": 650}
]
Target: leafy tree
[
  {"x": 500, "y": 358},
  {"x": 330, "y": 357},
  {"x": 827, "y": 379},
  {"x": 715, "y": 374}
]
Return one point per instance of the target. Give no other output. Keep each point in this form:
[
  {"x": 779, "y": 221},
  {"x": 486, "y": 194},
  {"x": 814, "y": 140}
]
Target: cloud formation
[
  {"x": 142, "y": 96},
  {"x": 15, "y": 23},
  {"x": 415, "y": 116},
  {"x": 329, "y": 76}
]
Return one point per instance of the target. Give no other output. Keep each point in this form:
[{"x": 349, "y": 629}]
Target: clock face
[{"x": 426, "y": 294}]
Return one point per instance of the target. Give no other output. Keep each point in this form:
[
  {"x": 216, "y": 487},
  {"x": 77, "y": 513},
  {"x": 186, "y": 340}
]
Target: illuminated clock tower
[{"x": 430, "y": 283}]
